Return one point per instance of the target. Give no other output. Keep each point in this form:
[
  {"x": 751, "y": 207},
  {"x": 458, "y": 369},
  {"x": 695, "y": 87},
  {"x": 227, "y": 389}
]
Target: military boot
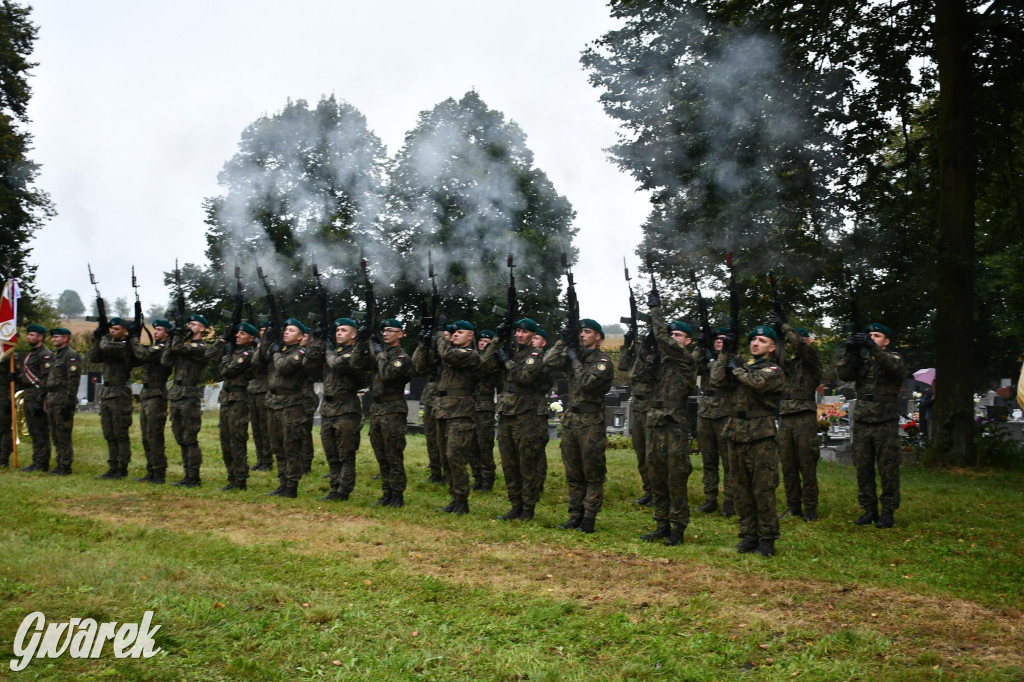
[
  {"x": 572, "y": 522},
  {"x": 869, "y": 516},
  {"x": 278, "y": 491},
  {"x": 791, "y": 511},
  {"x": 145, "y": 479},
  {"x": 334, "y": 495},
  {"x": 291, "y": 489},
  {"x": 810, "y": 514},
  {"x": 487, "y": 485},
  {"x": 478, "y": 484},
  {"x": 61, "y": 471},
  {"x": 747, "y": 545},
  {"x": 181, "y": 483},
  {"x": 448, "y": 508},
  {"x": 765, "y": 548},
  {"x": 527, "y": 514},
  {"x": 384, "y": 500},
  {"x": 709, "y": 507},
  {"x": 644, "y": 500},
  {"x": 461, "y": 507},
  {"x": 36, "y": 467},
  {"x": 108, "y": 474},
  {"x": 119, "y": 473},
  {"x": 662, "y": 531},
  {"x": 728, "y": 509},
  {"x": 586, "y": 525},
  {"x": 675, "y": 537},
  {"x": 514, "y": 513},
  {"x": 158, "y": 477},
  {"x": 193, "y": 481},
  {"x": 885, "y": 520},
  {"x": 397, "y": 500},
  {"x": 229, "y": 486}
]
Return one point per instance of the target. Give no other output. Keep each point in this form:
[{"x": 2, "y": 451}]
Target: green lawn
[{"x": 252, "y": 587}]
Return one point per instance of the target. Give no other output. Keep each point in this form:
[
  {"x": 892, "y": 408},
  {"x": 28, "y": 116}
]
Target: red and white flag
[{"x": 9, "y": 317}]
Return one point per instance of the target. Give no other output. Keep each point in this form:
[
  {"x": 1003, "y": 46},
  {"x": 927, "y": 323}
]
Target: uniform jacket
[
  {"x": 676, "y": 377},
  {"x": 236, "y": 371},
  {"x": 754, "y": 401},
  {"x": 154, "y": 372},
  {"x": 390, "y": 370},
  {"x": 590, "y": 377},
  {"x": 523, "y": 380},
  {"x": 877, "y": 378},
  {"x": 39, "y": 361},
  {"x": 118, "y": 359},
  {"x": 640, "y": 362},
  {"x": 62, "y": 381},
  {"x": 342, "y": 381},
  {"x": 803, "y": 374},
  {"x": 287, "y": 378},
  {"x": 188, "y": 358}
]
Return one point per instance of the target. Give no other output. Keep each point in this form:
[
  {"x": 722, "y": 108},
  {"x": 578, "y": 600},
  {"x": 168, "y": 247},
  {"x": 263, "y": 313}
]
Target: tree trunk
[{"x": 954, "y": 320}]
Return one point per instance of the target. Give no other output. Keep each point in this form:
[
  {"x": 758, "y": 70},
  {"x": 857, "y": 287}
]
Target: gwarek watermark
[{"x": 82, "y": 638}]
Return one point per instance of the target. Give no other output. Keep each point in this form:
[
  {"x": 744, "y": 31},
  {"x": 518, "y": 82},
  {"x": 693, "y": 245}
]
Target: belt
[
  {"x": 587, "y": 408},
  {"x": 637, "y": 396},
  {"x": 667, "y": 405},
  {"x": 751, "y": 414},
  {"x": 282, "y": 391},
  {"x": 444, "y": 393},
  {"x": 870, "y": 397},
  {"x": 709, "y": 394}
]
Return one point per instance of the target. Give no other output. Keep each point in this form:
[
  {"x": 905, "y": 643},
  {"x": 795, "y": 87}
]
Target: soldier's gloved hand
[
  {"x": 776, "y": 320},
  {"x": 734, "y": 362},
  {"x": 572, "y": 355},
  {"x": 363, "y": 333},
  {"x": 569, "y": 335},
  {"x": 425, "y": 336},
  {"x": 98, "y": 333},
  {"x": 377, "y": 348},
  {"x": 503, "y": 355},
  {"x": 869, "y": 342},
  {"x": 653, "y": 299},
  {"x": 628, "y": 338},
  {"x": 503, "y": 331},
  {"x": 856, "y": 341},
  {"x": 229, "y": 348},
  {"x": 66, "y": 411},
  {"x": 729, "y": 342}
]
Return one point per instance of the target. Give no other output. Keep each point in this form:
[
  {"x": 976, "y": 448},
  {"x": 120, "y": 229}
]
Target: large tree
[
  {"x": 69, "y": 304},
  {"x": 23, "y": 206}
]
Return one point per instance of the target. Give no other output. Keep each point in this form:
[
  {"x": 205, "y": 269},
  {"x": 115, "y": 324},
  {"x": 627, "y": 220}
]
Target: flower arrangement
[{"x": 912, "y": 429}]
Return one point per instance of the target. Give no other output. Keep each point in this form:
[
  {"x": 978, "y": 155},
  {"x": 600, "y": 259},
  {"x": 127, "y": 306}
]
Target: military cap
[
  {"x": 390, "y": 322},
  {"x": 680, "y": 326},
  {"x": 528, "y": 324},
  {"x": 161, "y": 322},
  {"x": 345, "y": 322},
  {"x": 297, "y": 324},
  {"x": 450, "y": 327},
  {"x": 486, "y": 334},
  {"x": 37, "y": 328},
  {"x": 264, "y": 324},
  {"x": 116, "y": 321},
  {"x": 878, "y": 327},
  {"x": 543, "y": 334},
  {"x": 248, "y": 329},
  {"x": 762, "y": 330},
  {"x": 806, "y": 333},
  {"x": 462, "y": 324},
  {"x": 196, "y": 317},
  {"x": 719, "y": 331},
  {"x": 60, "y": 330},
  {"x": 587, "y": 323}
]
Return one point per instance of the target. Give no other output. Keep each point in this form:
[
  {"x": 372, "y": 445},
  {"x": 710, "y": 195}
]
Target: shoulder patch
[
  {"x": 601, "y": 366},
  {"x": 46, "y": 364},
  {"x": 241, "y": 360},
  {"x": 771, "y": 368},
  {"x": 194, "y": 344},
  {"x": 530, "y": 361},
  {"x": 398, "y": 363}
]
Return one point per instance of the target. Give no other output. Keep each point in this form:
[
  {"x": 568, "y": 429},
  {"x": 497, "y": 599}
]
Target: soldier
[
  {"x": 391, "y": 368},
  {"x": 550, "y": 383},
  {"x": 153, "y": 401},
  {"x": 256, "y": 394},
  {"x": 62, "y": 398},
  {"x": 711, "y": 418},
  {"x": 187, "y": 354},
  {"x": 878, "y": 373},
  {"x": 7, "y": 434},
  {"x": 33, "y": 375},
  {"x": 668, "y": 429},
  {"x": 583, "y": 428},
  {"x": 520, "y": 442},
  {"x": 425, "y": 364},
  {"x": 798, "y": 421},
  {"x": 750, "y": 428},
  {"x": 236, "y": 370},
  {"x": 341, "y": 417},
  {"x": 488, "y": 382},
  {"x": 112, "y": 349},
  {"x": 313, "y": 364},
  {"x": 640, "y": 360},
  {"x": 287, "y": 403}
]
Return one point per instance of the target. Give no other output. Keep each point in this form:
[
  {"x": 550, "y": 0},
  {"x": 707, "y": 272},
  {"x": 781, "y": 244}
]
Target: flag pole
[{"x": 14, "y": 419}]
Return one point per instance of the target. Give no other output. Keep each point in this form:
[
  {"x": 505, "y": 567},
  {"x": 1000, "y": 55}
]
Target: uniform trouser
[
  {"x": 435, "y": 462},
  {"x": 260, "y": 428},
  {"x": 310, "y": 403},
  {"x": 714, "y": 448},
  {"x": 186, "y": 420},
  {"x": 288, "y": 432},
  {"x": 456, "y": 438},
  {"x": 152, "y": 420},
  {"x": 638, "y": 430},
  {"x": 60, "y": 430},
  {"x": 877, "y": 444},
  {"x": 39, "y": 431},
  {"x": 116, "y": 422},
  {"x": 482, "y": 460},
  {"x": 387, "y": 437},
  {"x": 755, "y": 476},
  {"x": 542, "y": 456},
  {"x": 234, "y": 439},
  {"x": 668, "y": 460},
  {"x": 520, "y": 446},
  {"x": 583, "y": 446},
  {"x": 798, "y": 458},
  {"x": 339, "y": 435}
]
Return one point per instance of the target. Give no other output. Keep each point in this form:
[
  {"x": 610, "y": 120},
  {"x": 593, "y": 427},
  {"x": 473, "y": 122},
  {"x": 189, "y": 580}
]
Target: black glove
[
  {"x": 629, "y": 338},
  {"x": 734, "y": 362},
  {"x": 98, "y": 333},
  {"x": 572, "y": 355},
  {"x": 729, "y": 342},
  {"x": 569, "y": 335},
  {"x": 503, "y": 331},
  {"x": 229, "y": 348},
  {"x": 442, "y": 322},
  {"x": 66, "y": 411},
  {"x": 653, "y": 299},
  {"x": 425, "y": 336},
  {"x": 869, "y": 342},
  {"x": 377, "y": 348},
  {"x": 503, "y": 355},
  {"x": 363, "y": 333},
  {"x": 776, "y": 320}
]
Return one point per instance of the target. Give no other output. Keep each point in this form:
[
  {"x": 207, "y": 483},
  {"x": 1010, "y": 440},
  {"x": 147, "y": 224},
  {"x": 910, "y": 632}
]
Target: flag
[{"x": 9, "y": 318}]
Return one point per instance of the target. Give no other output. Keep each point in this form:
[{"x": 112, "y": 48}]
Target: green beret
[
  {"x": 762, "y": 330},
  {"x": 345, "y": 322},
  {"x": 719, "y": 331},
  {"x": 806, "y": 333},
  {"x": 528, "y": 324},
  {"x": 116, "y": 320},
  {"x": 161, "y": 322},
  {"x": 297, "y": 324},
  {"x": 196, "y": 317},
  {"x": 248, "y": 329},
  {"x": 680, "y": 326},
  {"x": 587, "y": 323},
  {"x": 462, "y": 324},
  {"x": 391, "y": 322},
  {"x": 878, "y": 327},
  {"x": 60, "y": 330},
  {"x": 264, "y": 324},
  {"x": 37, "y": 328},
  {"x": 486, "y": 334},
  {"x": 543, "y": 334}
]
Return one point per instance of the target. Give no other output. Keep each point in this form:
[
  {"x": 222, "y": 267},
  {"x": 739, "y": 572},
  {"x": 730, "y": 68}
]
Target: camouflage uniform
[
  {"x": 482, "y": 460},
  {"x": 583, "y": 429},
  {"x": 341, "y": 417},
  {"x": 878, "y": 379},
  {"x": 456, "y": 403},
  {"x": 640, "y": 363},
  {"x": 115, "y": 400},
  {"x": 712, "y": 411},
  {"x": 61, "y": 402},
  {"x": 422, "y": 366},
  {"x": 38, "y": 363},
  {"x": 753, "y": 451},
  {"x": 668, "y": 429},
  {"x": 520, "y": 441},
  {"x": 798, "y": 425},
  {"x": 314, "y": 373},
  {"x": 256, "y": 394},
  {"x": 287, "y": 404},
  {"x": 236, "y": 371},
  {"x": 6, "y": 431},
  {"x": 391, "y": 369},
  {"x": 188, "y": 358},
  {"x": 153, "y": 406}
]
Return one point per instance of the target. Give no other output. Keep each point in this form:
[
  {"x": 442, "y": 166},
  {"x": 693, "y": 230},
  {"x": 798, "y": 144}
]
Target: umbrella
[{"x": 926, "y": 376}]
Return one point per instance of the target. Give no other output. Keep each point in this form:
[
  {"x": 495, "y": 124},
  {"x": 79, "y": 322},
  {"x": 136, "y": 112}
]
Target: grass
[{"x": 250, "y": 587}]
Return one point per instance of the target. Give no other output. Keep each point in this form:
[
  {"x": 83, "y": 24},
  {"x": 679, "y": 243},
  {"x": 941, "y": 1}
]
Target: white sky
[{"x": 137, "y": 105}]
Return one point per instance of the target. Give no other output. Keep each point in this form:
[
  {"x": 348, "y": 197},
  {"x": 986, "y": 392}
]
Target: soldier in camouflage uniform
[
  {"x": 550, "y": 383},
  {"x": 668, "y": 429},
  {"x": 712, "y": 412},
  {"x": 62, "y": 398},
  {"x": 6, "y": 429},
  {"x": 153, "y": 401},
  {"x": 187, "y": 354},
  {"x": 341, "y": 417},
  {"x": 391, "y": 369},
  {"x": 750, "y": 428},
  {"x": 583, "y": 430},
  {"x": 640, "y": 361},
  {"x": 520, "y": 441},
  {"x": 256, "y": 393},
  {"x": 878, "y": 373},
  {"x": 798, "y": 421},
  {"x": 425, "y": 364},
  {"x": 314, "y": 373},
  {"x": 487, "y": 383},
  {"x": 33, "y": 374},
  {"x": 112, "y": 349},
  {"x": 236, "y": 371}
]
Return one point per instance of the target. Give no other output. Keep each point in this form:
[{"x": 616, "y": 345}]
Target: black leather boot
[
  {"x": 765, "y": 548},
  {"x": 869, "y": 516},
  {"x": 397, "y": 500},
  {"x": 514, "y": 513},
  {"x": 747, "y": 546},
  {"x": 658, "y": 533},
  {"x": 586, "y": 525},
  {"x": 675, "y": 536}
]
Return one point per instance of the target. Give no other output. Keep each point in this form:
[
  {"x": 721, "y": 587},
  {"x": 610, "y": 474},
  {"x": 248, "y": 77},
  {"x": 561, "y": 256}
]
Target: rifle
[
  {"x": 372, "y": 322},
  {"x": 734, "y": 306},
  {"x": 572, "y": 318},
  {"x": 857, "y": 323},
  {"x": 430, "y": 321},
  {"x": 777, "y": 308},
  {"x": 650, "y": 342},
  {"x": 179, "y": 304},
  {"x": 274, "y": 330},
  {"x": 635, "y": 317},
  {"x": 101, "y": 308},
  {"x": 511, "y": 310},
  {"x": 236, "y": 313},
  {"x": 326, "y": 329},
  {"x": 705, "y": 325},
  {"x": 140, "y": 322}
]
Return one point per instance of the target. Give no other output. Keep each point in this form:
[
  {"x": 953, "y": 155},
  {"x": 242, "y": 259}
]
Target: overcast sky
[{"x": 136, "y": 106}]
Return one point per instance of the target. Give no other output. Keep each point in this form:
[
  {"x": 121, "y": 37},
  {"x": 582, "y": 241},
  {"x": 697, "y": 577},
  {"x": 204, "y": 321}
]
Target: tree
[
  {"x": 122, "y": 308},
  {"x": 23, "y": 207},
  {"x": 69, "y": 304}
]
